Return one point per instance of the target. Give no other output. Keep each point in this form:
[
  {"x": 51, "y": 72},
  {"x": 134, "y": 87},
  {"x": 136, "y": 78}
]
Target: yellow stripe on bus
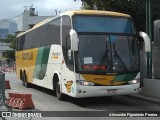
[
  {"x": 101, "y": 79},
  {"x": 26, "y": 60}
]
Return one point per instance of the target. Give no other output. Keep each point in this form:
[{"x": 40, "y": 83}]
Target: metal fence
[
  {"x": 2, "y": 88},
  {"x": 2, "y": 94}
]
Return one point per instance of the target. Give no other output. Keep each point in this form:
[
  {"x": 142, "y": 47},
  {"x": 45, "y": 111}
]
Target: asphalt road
[{"x": 44, "y": 100}]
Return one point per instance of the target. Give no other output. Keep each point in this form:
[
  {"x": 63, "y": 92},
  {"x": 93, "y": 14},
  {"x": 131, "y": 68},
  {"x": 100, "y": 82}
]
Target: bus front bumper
[{"x": 95, "y": 91}]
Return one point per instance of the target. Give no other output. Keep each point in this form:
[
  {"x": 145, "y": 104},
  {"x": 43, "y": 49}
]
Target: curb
[{"x": 149, "y": 99}]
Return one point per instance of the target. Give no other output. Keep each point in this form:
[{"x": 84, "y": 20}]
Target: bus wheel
[
  {"x": 25, "y": 81},
  {"x": 59, "y": 95}
]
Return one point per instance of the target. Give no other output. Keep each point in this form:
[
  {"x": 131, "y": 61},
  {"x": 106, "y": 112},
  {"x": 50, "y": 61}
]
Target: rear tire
[{"x": 25, "y": 82}]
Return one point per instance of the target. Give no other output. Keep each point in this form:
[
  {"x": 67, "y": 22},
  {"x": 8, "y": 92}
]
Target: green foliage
[
  {"x": 12, "y": 40},
  {"x": 87, "y": 5}
]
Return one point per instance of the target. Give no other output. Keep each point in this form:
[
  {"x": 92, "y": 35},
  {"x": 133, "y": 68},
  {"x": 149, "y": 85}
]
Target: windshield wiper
[
  {"x": 104, "y": 56},
  {"x": 116, "y": 55}
]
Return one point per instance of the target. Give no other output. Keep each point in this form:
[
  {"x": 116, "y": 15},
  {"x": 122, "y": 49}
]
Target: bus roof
[
  {"x": 36, "y": 26},
  {"x": 78, "y": 12},
  {"x": 95, "y": 12}
]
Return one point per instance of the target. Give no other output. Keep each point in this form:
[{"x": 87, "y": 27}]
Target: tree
[
  {"x": 12, "y": 40},
  {"x": 135, "y": 8}
]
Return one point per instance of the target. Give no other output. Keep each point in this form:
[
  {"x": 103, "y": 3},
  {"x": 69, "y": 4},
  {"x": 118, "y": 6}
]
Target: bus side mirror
[
  {"x": 74, "y": 40},
  {"x": 147, "y": 41}
]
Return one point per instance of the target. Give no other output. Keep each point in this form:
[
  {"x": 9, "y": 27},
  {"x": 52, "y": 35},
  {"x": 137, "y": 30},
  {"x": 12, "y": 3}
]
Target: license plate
[{"x": 112, "y": 91}]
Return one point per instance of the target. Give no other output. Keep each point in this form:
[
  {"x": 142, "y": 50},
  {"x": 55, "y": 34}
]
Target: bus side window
[
  {"x": 21, "y": 43},
  {"x": 66, "y": 42},
  {"x": 17, "y": 44}
]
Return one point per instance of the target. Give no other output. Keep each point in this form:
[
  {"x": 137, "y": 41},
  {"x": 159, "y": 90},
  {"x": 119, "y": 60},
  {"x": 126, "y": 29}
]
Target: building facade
[
  {"x": 25, "y": 21},
  {"x": 7, "y": 27},
  {"x": 28, "y": 19}
]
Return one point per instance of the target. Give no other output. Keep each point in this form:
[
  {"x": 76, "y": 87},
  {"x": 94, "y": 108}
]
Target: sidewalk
[
  {"x": 141, "y": 96},
  {"x": 149, "y": 99}
]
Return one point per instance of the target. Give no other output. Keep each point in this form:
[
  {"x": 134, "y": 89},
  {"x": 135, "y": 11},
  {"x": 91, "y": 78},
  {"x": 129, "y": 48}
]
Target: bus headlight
[
  {"x": 134, "y": 81},
  {"x": 84, "y": 83}
]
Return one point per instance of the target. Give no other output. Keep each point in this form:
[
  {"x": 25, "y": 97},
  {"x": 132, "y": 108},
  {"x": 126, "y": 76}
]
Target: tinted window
[
  {"x": 66, "y": 27},
  {"x": 103, "y": 24},
  {"x": 108, "y": 53},
  {"x": 42, "y": 36}
]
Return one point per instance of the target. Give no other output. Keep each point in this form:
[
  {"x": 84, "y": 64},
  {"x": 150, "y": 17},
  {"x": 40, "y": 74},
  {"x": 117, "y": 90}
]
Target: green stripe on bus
[
  {"x": 41, "y": 62},
  {"x": 125, "y": 77}
]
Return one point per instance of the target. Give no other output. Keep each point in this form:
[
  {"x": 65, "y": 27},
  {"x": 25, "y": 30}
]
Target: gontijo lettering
[{"x": 27, "y": 56}]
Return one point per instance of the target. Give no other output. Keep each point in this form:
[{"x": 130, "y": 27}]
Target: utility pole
[{"x": 149, "y": 32}]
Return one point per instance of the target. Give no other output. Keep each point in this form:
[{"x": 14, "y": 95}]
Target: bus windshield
[
  {"x": 103, "y": 24},
  {"x": 108, "y": 53},
  {"x": 106, "y": 44}
]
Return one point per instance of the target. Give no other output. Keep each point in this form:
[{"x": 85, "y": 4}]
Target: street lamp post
[{"x": 149, "y": 32}]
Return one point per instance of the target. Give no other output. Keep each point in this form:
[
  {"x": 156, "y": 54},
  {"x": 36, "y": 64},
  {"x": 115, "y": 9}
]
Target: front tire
[{"x": 59, "y": 95}]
